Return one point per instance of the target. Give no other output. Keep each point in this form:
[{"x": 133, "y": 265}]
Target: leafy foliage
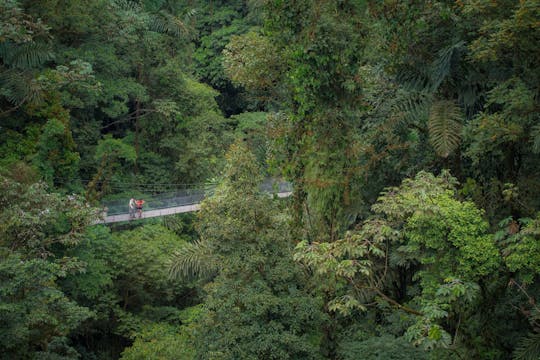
[
  {"x": 419, "y": 225},
  {"x": 160, "y": 341},
  {"x": 528, "y": 348},
  {"x": 37, "y": 317},
  {"x": 35, "y": 312},
  {"x": 249, "y": 239},
  {"x": 357, "y": 103},
  {"x": 35, "y": 221},
  {"x": 193, "y": 259},
  {"x": 520, "y": 247},
  {"x": 252, "y": 61},
  {"x": 56, "y": 157},
  {"x": 444, "y": 127},
  {"x": 379, "y": 348},
  {"x": 26, "y": 55}
]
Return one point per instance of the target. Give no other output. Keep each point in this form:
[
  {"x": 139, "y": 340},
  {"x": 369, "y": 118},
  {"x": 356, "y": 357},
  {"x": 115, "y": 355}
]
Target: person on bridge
[
  {"x": 139, "y": 204},
  {"x": 131, "y": 208}
]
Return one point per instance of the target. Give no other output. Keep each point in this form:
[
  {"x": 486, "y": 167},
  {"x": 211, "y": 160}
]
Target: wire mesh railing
[
  {"x": 159, "y": 201},
  {"x": 181, "y": 197}
]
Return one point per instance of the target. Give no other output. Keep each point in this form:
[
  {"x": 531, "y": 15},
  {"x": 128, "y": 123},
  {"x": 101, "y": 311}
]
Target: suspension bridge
[{"x": 174, "y": 202}]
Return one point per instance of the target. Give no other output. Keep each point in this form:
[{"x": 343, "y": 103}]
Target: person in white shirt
[{"x": 132, "y": 208}]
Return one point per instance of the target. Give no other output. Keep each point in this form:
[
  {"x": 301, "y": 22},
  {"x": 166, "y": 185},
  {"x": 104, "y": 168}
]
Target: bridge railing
[
  {"x": 182, "y": 197},
  {"x": 275, "y": 186},
  {"x": 160, "y": 201}
]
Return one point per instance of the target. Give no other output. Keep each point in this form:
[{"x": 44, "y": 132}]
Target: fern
[
  {"x": 193, "y": 260},
  {"x": 20, "y": 87},
  {"x": 25, "y": 56},
  {"x": 412, "y": 107},
  {"x": 160, "y": 21},
  {"x": 414, "y": 79},
  {"x": 443, "y": 65},
  {"x": 127, "y": 5},
  {"x": 528, "y": 348},
  {"x": 444, "y": 126},
  {"x": 166, "y": 23}
]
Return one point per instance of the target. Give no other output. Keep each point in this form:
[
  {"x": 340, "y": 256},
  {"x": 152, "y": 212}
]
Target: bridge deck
[{"x": 163, "y": 212}]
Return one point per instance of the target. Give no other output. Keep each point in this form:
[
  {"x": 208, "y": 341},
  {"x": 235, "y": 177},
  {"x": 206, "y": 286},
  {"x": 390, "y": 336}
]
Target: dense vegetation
[{"x": 410, "y": 131}]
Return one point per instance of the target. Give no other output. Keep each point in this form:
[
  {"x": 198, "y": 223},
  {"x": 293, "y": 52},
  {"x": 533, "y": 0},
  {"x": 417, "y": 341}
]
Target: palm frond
[
  {"x": 444, "y": 126},
  {"x": 528, "y": 348},
  {"x": 127, "y": 5},
  {"x": 26, "y": 55},
  {"x": 412, "y": 106},
  {"x": 414, "y": 79},
  {"x": 19, "y": 86},
  {"x": 443, "y": 64},
  {"x": 193, "y": 260},
  {"x": 166, "y": 23},
  {"x": 190, "y": 13}
]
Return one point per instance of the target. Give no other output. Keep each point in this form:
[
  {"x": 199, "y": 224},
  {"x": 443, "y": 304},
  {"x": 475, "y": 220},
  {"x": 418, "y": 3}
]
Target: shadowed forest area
[{"x": 409, "y": 131}]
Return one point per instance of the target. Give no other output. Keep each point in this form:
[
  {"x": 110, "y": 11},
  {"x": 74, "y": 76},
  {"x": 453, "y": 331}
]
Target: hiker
[
  {"x": 131, "y": 208},
  {"x": 139, "y": 204}
]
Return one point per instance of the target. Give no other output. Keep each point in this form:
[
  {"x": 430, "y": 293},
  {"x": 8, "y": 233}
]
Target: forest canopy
[{"x": 408, "y": 131}]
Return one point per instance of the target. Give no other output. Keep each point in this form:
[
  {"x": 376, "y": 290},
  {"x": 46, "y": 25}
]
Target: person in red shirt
[{"x": 139, "y": 204}]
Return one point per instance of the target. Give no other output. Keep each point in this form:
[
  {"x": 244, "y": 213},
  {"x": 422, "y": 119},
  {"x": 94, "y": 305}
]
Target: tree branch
[
  {"x": 395, "y": 303},
  {"x": 129, "y": 117}
]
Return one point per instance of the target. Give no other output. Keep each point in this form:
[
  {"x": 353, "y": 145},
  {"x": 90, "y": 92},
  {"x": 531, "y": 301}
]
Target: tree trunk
[{"x": 137, "y": 114}]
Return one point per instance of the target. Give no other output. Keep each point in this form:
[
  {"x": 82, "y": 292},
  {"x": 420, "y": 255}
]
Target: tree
[
  {"x": 24, "y": 48},
  {"x": 57, "y": 158},
  {"x": 420, "y": 229},
  {"x": 357, "y": 103},
  {"x": 253, "y": 61},
  {"x": 250, "y": 304},
  {"x": 321, "y": 44},
  {"x": 520, "y": 241},
  {"x": 35, "y": 222},
  {"x": 37, "y": 228},
  {"x": 166, "y": 341},
  {"x": 217, "y": 23},
  {"x": 110, "y": 153}
]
